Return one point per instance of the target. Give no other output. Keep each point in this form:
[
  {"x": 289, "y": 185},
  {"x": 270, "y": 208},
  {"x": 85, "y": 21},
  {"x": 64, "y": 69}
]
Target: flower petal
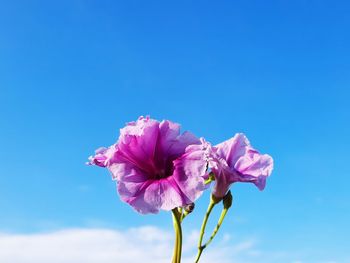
[
  {"x": 137, "y": 143},
  {"x": 152, "y": 195},
  {"x": 165, "y": 194},
  {"x": 103, "y": 156},
  {"x": 223, "y": 180},
  {"x": 171, "y": 142},
  {"x": 254, "y": 167},
  {"x": 132, "y": 184},
  {"x": 232, "y": 149},
  {"x": 191, "y": 169},
  {"x": 239, "y": 162}
]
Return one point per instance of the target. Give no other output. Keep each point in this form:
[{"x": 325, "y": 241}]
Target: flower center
[{"x": 166, "y": 171}]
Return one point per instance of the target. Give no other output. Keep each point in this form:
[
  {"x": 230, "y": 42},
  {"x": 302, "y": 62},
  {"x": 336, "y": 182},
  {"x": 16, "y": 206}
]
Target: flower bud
[
  {"x": 227, "y": 200},
  {"x": 189, "y": 208}
]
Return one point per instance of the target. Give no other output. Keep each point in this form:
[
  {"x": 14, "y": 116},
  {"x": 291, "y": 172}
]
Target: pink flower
[
  {"x": 155, "y": 166},
  {"x": 237, "y": 161}
]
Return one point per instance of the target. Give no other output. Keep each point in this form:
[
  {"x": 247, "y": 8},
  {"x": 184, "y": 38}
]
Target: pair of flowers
[{"x": 157, "y": 168}]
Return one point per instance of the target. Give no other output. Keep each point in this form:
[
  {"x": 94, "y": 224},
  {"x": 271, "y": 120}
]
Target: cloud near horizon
[
  {"x": 101, "y": 245},
  {"x": 132, "y": 245}
]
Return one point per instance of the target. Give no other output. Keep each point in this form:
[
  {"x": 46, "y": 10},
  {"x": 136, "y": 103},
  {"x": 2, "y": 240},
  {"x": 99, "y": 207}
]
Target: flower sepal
[{"x": 227, "y": 200}]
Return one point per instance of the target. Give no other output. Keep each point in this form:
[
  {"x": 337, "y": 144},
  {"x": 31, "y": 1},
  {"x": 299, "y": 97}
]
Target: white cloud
[
  {"x": 87, "y": 245},
  {"x": 142, "y": 244}
]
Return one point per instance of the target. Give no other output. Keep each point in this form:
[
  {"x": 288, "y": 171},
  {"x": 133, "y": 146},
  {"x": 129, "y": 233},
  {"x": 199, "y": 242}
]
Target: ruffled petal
[
  {"x": 137, "y": 143},
  {"x": 191, "y": 169},
  {"x": 152, "y": 195},
  {"x": 239, "y": 162},
  {"x": 254, "y": 167},
  {"x": 164, "y": 194},
  {"x": 132, "y": 183},
  {"x": 103, "y": 156},
  {"x": 138, "y": 201},
  {"x": 222, "y": 183},
  {"x": 171, "y": 142},
  {"x": 232, "y": 149}
]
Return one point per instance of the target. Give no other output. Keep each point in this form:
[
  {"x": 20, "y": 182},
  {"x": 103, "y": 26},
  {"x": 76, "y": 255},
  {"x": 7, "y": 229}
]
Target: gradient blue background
[{"x": 73, "y": 72}]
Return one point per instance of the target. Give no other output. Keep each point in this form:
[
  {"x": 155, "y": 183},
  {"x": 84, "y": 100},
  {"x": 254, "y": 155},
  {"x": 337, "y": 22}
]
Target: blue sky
[{"x": 73, "y": 72}]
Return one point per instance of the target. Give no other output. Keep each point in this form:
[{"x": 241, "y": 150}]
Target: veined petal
[
  {"x": 164, "y": 194},
  {"x": 239, "y": 162},
  {"x": 138, "y": 201},
  {"x": 137, "y": 143},
  {"x": 223, "y": 180},
  {"x": 232, "y": 149},
  {"x": 152, "y": 195},
  {"x": 171, "y": 142},
  {"x": 254, "y": 167},
  {"x": 191, "y": 169},
  {"x": 132, "y": 184}
]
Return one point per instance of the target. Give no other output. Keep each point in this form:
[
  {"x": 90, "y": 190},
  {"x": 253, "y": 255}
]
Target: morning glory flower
[
  {"x": 237, "y": 161},
  {"x": 156, "y": 167}
]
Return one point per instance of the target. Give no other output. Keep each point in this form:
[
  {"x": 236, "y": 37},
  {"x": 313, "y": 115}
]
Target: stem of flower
[
  {"x": 183, "y": 216},
  {"x": 216, "y": 229},
  {"x": 210, "y": 179},
  {"x": 202, "y": 231},
  {"x": 178, "y": 236},
  {"x": 227, "y": 202}
]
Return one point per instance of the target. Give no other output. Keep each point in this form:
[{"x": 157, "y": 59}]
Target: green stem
[
  {"x": 216, "y": 229},
  {"x": 210, "y": 179},
  {"x": 178, "y": 236},
  {"x": 202, "y": 231},
  {"x": 227, "y": 202}
]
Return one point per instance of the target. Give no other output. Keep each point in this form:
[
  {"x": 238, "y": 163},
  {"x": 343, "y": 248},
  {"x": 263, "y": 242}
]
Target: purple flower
[
  {"x": 237, "y": 161},
  {"x": 155, "y": 166}
]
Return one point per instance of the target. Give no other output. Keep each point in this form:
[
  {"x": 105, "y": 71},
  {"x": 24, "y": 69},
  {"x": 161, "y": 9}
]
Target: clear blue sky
[{"x": 73, "y": 72}]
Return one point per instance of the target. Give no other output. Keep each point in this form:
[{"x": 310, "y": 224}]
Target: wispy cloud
[{"x": 142, "y": 244}]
